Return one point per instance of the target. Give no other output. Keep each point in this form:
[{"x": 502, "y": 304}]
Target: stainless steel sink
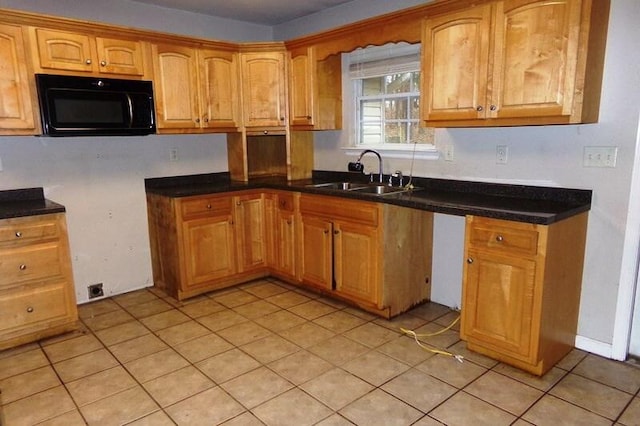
[{"x": 367, "y": 188}]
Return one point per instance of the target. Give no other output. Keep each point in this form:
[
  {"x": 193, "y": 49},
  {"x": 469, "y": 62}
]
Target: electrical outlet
[
  {"x": 502, "y": 154},
  {"x": 448, "y": 153},
  {"x": 95, "y": 290},
  {"x": 600, "y": 156},
  {"x": 173, "y": 154}
]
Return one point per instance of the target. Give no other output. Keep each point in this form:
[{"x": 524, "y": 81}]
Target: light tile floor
[{"x": 269, "y": 353}]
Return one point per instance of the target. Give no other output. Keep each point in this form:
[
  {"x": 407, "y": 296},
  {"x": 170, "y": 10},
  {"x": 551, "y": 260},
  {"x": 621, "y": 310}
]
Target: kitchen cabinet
[
  {"x": 521, "y": 289},
  {"x": 264, "y": 88},
  {"x": 204, "y": 242},
  {"x": 37, "y": 295},
  {"x": 353, "y": 249},
  {"x": 514, "y": 62},
  {"x": 281, "y": 222},
  {"x": 315, "y": 90},
  {"x": 196, "y": 89},
  {"x": 55, "y": 50},
  {"x": 17, "y": 115}
]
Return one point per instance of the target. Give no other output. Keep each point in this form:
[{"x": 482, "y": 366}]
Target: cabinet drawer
[
  {"x": 285, "y": 202},
  {"x": 499, "y": 235},
  {"x": 205, "y": 206},
  {"x": 27, "y": 306},
  {"x": 31, "y": 262},
  {"x": 27, "y": 230},
  {"x": 340, "y": 208}
]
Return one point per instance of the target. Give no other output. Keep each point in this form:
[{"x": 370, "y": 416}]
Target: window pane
[
  {"x": 371, "y": 110},
  {"x": 416, "y": 81},
  {"x": 395, "y": 132},
  {"x": 372, "y": 86},
  {"x": 396, "y": 109},
  {"x": 419, "y": 134},
  {"x": 370, "y": 133},
  {"x": 415, "y": 108},
  {"x": 398, "y": 83}
]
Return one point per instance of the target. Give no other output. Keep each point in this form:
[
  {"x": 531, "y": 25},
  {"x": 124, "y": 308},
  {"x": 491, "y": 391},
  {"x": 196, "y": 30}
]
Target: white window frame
[{"x": 374, "y": 62}]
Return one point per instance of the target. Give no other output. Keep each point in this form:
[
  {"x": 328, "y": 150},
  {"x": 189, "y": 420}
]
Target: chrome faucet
[{"x": 379, "y": 161}]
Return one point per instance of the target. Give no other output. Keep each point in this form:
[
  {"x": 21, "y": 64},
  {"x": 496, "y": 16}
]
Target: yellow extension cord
[{"x": 415, "y": 336}]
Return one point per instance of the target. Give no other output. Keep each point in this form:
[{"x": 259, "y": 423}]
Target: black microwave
[{"x": 94, "y": 106}]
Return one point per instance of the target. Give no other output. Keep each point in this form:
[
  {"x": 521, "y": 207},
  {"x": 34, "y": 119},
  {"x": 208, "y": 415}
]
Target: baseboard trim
[{"x": 594, "y": 347}]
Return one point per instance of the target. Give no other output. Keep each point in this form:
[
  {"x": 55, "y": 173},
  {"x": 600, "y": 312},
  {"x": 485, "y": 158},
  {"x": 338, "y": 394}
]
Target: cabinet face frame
[{"x": 264, "y": 89}]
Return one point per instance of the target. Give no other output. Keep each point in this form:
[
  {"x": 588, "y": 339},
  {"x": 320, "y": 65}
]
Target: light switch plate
[{"x": 600, "y": 156}]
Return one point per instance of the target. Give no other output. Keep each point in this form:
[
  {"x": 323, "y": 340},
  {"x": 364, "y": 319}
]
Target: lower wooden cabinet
[
  {"x": 375, "y": 255},
  {"x": 521, "y": 289},
  {"x": 37, "y": 295},
  {"x": 281, "y": 218}
]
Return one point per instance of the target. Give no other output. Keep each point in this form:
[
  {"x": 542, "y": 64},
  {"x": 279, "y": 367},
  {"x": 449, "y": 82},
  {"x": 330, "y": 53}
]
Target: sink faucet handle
[{"x": 397, "y": 174}]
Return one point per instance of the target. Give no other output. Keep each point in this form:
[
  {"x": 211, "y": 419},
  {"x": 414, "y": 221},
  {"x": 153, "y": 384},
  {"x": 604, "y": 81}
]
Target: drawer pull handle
[
  {"x": 499, "y": 238},
  {"x": 23, "y": 267},
  {"x": 18, "y": 234},
  {"x": 30, "y": 309},
  {"x": 469, "y": 260}
]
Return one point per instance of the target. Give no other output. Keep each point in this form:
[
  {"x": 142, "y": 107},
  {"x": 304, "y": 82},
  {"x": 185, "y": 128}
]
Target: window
[{"x": 385, "y": 98}]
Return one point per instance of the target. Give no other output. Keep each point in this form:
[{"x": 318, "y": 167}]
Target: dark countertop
[
  {"x": 522, "y": 203},
  {"x": 26, "y": 202}
]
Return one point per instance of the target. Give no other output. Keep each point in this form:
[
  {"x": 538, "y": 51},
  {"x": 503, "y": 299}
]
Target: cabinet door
[
  {"x": 498, "y": 303},
  {"x": 219, "y": 92},
  {"x": 317, "y": 252},
  {"x": 355, "y": 261},
  {"x": 119, "y": 56},
  {"x": 250, "y": 232},
  {"x": 535, "y": 57},
  {"x": 455, "y": 67},
  {"x": 264, "y": 89},
  {"x": 16, "y": 111},
  {"x": 209, "y": 249},
  {"x": 64, "y": 51},
  {"x": 175, "y": 86},
  {"x": 301, "y": 100}
]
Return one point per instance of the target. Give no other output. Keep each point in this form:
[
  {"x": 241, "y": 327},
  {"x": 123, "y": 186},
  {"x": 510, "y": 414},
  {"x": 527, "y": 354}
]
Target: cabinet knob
[
  {"x": 288, "y": 221},
  {"x": 23, "y": 267},
  {"x": 206, "y": 119},
  {"x": 18, "y": 234},
  {"x": 469, "y": 260},
  {"x": 197, "y": 120},
  {"x": 209, "y": 206},
  {"x": 499, "y": 238},
  {"x": 88, "y": 62},
  {"x": 493, "y": 107},
  {"x": 479, "y": 108},
  {"x": 266, "y": 132},
  {"x": 238, "y": 203},
  {"x": 282, "y": 118},
  {"x": 326, "y": 231},
  {"x": 308, "y": 117},
  {"x": 336, "y": 232},
  {"x": 30, "y": 309},
  {"x": 103, "y": 63}
]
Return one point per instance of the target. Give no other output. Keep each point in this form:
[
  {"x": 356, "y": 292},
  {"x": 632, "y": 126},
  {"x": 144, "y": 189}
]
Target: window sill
[{"x": 427, "y": 152}]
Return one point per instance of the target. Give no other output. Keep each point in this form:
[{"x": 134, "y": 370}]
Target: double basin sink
[{"x": 363, "y": 188}]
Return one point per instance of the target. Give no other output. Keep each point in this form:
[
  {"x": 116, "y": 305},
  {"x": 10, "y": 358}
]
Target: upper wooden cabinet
[
  {"x": 514, "y": 62},
  {"x": 264, "y": 89},
  {"x": 315, "y": 90},
  {"x": 16, "y": 109},
  {"x": 75, "y": 52},
  {"x": 196, "y": 89}
]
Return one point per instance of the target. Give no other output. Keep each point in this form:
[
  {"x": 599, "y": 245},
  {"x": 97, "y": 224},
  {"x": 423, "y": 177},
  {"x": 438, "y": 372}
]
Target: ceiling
[{"x": 265, "y": 12}]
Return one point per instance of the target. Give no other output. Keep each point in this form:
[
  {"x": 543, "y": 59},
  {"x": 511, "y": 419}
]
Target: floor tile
[
  {"x": 121, "y": 333},
  {"x": 158, "y": 418},
  {"x": 339, "y": 322},
  {"x": 337, "y": 388},
  {"x": 615, "y": 374},
  {"x": 22, "y": 362},
  {"x": 504, "y": 392},
  {"x": 85, "y": 365},
  {"x": 430, "y": 311},
  {"x": 281, "y": 320},
  {"x": 121, "y": 408},
  {"x": 137, "y": 348},
  {"x": 28, "y": 383},
  {"x": 288, "y": 299},
  {"x": 156, "y": 365},
  {"x": 264, "y": 289},
  {"x": 406, "y": 321},
  {"x": 631, "y": 415},
  {"x": 452, "y": 371},
  {"x": 371, "y": 335},
  {"x": 306, "y": 334},
  {"x": 211, "y": 407},
  {"x": 227, "y": 365},
  {"x": 93, "y": 309},
  {"x": 72, "y": 347},
  {"x": 203, "y": 347},
  {"x": 100, "y": 322},
  {"x": 270, "y": 348},
  {"x": 380, "y": 408},
  {"x": 338, "y": 350},
  {"x": 543, "y": 383},
  {"x": 571, "y": 359},
  {"x": 202, "y": 308},
  {"x": 335, "y": 420},
  {"x": 427, "y": 334},
  {"x": 461, "y": 407},
  {"x": 134, "y": 298},
  {"x": 405, "y": 349},
  {"x": 244, "y": 333},
  {"x": 551, "y": 410},
  {"x": 38, "y": 407},
  {"x": 375, "y": 368},
  {"x": 70, "y": 418},
  {"x": 149, "y": 308},
  {"x": 178, "y": 385},
  {"x": 593, "y": 396},
  {"x": 100, "y": 385},
  {"x": 292, "y": 408},
  {"x": 255, "y": 387},
  {"x": 164, "y": 320},
  {"x": 300, "y": 367},
  {"x": 181, "y": 333},
  {"x": 235, "y": 298},
  {"x": 419, "y": 390},
  {"x": 256, "y": 309},
  {"x": 221, "y": 320},
  {"x": 312, "y": 309},
  {"x": 460, "y": 348},
  {"x": 244, "y": 419}
]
